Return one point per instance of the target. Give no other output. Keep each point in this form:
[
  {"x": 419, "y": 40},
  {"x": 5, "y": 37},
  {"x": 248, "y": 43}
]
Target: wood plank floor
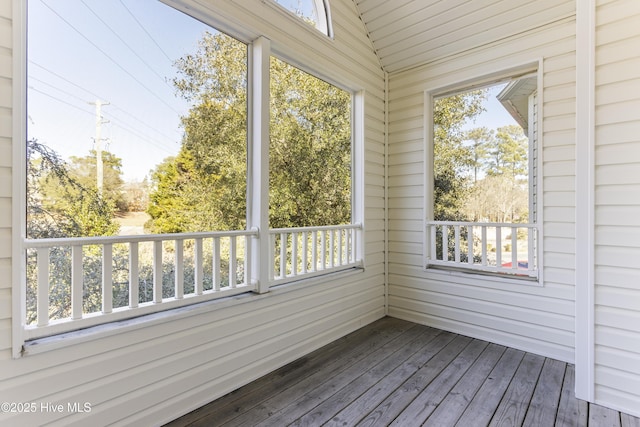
[{"x": 397, "y": 373}]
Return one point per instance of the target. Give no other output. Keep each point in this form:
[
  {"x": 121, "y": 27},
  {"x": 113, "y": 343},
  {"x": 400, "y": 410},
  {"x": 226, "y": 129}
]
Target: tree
[
  {"x": 84, "y": 170},
  {"x": 481, "y": 139},
  {"x": 509, "y": 152},
  {"x": 204, "y": 186},
  {"x": 451, "y": 157},
  {"x": 310, "y": 150},
  {"x": 58, "y": 203}
]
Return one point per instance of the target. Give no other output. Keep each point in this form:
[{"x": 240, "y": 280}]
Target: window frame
[
  {"x": 257, "y": 206},
  {"x": 480, "y": 81},
  {"x": 323, "y": 10}
]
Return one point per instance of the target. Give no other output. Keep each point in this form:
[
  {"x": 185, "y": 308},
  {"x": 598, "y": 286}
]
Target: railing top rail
[
  {"x": 319, "y": 228},
  {"x": 485, "y": 224},
  {"x": 101, "y": 240}
]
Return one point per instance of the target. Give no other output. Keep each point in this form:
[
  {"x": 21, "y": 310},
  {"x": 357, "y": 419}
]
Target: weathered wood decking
[{"x": 398, "y": 373}]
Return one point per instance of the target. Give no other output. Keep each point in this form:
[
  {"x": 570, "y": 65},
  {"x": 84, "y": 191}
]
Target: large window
[
  {"x": 484, "y": 215},
  {"x": 141, "y": 192}
]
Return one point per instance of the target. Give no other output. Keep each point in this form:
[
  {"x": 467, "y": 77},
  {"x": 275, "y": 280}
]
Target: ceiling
[{"x": 410, "y": 33}]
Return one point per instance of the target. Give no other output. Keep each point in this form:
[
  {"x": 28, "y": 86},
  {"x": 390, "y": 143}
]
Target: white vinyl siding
[
  {"x": 533, "y": 318},
  {"x": 617, "y": 205},
  {"x": 411, "y": 32},
  {"x": 152, "y": 371},
  {"x": 6, "y": 156}
]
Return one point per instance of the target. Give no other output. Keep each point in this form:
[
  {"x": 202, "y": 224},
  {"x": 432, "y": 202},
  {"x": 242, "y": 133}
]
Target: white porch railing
[
  {"x": 75, "y": 283},
  {"x": 312, "y": 251},
  {"x": 503, "y": 248}
]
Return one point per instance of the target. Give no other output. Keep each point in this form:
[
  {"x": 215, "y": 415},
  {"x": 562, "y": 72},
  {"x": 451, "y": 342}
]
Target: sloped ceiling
[{"x": 410, "y": 33}]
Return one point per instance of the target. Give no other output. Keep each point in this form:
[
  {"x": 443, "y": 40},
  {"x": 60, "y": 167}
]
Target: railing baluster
[
  {"x": 134, "y": 275},
  {"x": 323, "y": 247},
  {"x": 340, "y": 260},
  {"x": 314, "y": 251},
  {"x": 433, "y": 255},
  {"x": 157, "y": 271},
  {"x": 76, "y": 282},
  {"x": 332, "y": 248},
  {"x": 43, "y": 286},
  {"x": 456, "y": 249},
  {"x": 470, "y": 236},
  {"x": 294, "y": 254},
  {"x": 198, "y": 276},
  {"x": 179, "y": 269},
  {"x": 107, "y": 278},
  {"x": 484, "y": 245},
  {"x": 247, "y": 261},
  {"x": 445, "y": 243},
  {"x": 272, "y": 257},
  {"x": 284, "y": 240},
  {"x": 216, "y": 276},
  {"x": 498, "y": 247},
  {"x": 514, "y": 247},
  {"x": 233, "y": 262},
  {"x": 305, "y": 238}
]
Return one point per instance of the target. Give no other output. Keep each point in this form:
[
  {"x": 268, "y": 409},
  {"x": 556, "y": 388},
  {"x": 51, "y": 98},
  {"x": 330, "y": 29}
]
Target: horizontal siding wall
[
  {"x": 156, "y": 371},
  {"x": 532, "y": 318},
  {"x": 6, "y": 155},
  {"x": 408, "y": 33},
  {"x": 617, "y": 210}
]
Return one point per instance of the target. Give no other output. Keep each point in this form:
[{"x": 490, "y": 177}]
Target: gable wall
[
  {"x": 539, "y": 319},
  {"x": 617, "y": 205},
  {"x": 155, "y": 371}
]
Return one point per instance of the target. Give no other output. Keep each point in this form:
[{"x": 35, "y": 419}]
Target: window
[
  {"x": 483, "y": 215},
  {"x": 313, "y": 12},
  {"x": 141, "y": 172},
  {"x": 310, "y": 150}
]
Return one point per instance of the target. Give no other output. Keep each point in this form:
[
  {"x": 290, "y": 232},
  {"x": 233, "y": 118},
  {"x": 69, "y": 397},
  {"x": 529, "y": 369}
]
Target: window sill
[{"x": 440, "y": 273}]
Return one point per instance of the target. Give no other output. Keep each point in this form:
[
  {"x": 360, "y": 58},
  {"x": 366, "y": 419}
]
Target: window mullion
[{"x": 258, "y": 170}]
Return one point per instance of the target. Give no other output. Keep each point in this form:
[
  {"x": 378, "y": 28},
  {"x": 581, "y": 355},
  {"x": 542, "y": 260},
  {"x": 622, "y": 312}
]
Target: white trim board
[{"x": 585, "y": 152}]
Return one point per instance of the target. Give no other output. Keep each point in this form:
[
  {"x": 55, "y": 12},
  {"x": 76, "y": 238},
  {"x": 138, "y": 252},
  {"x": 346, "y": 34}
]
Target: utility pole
[{"x": 98, "y": 144}]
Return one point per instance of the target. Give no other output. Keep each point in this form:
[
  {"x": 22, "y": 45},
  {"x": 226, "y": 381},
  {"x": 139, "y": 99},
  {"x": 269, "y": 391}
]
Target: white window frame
[
  {"x": 323, "y": 11},
  {"x": 478, "y": 82},
  {"x": 259, "y": 53}
]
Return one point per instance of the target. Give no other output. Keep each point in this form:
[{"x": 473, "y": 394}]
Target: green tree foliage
[
  {"x": 204, "y": 186},
  {"x": 59, "y": 204},
  {"x": 452, "y": 159},
  {"x": 481, "y": 140},
  {"x": 509, "y": 153},
  {"x": 310, "y": 150}
]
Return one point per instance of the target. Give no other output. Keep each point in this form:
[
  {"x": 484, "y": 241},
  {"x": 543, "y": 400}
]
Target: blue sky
[{"x": 120, "y": 51}]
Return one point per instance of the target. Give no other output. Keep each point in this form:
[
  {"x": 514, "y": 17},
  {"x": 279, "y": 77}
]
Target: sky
[{"x": 119, "y": 52}]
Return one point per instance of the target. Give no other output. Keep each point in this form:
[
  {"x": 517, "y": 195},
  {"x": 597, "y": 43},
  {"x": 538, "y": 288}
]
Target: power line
[
  {"x": 126, "y": 44},
  {"x": 60, "y": 100},
  {"x": 95, "y": 96},
  {"x": 117, "y": 122},
  {"x": 109, "y": 57},
  {"x": 145, "y": 30},
  {"x": 65, "y": 79}
]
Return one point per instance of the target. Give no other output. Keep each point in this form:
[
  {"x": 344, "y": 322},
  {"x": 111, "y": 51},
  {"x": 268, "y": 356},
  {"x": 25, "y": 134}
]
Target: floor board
[{"x": 398, "y": 373}]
